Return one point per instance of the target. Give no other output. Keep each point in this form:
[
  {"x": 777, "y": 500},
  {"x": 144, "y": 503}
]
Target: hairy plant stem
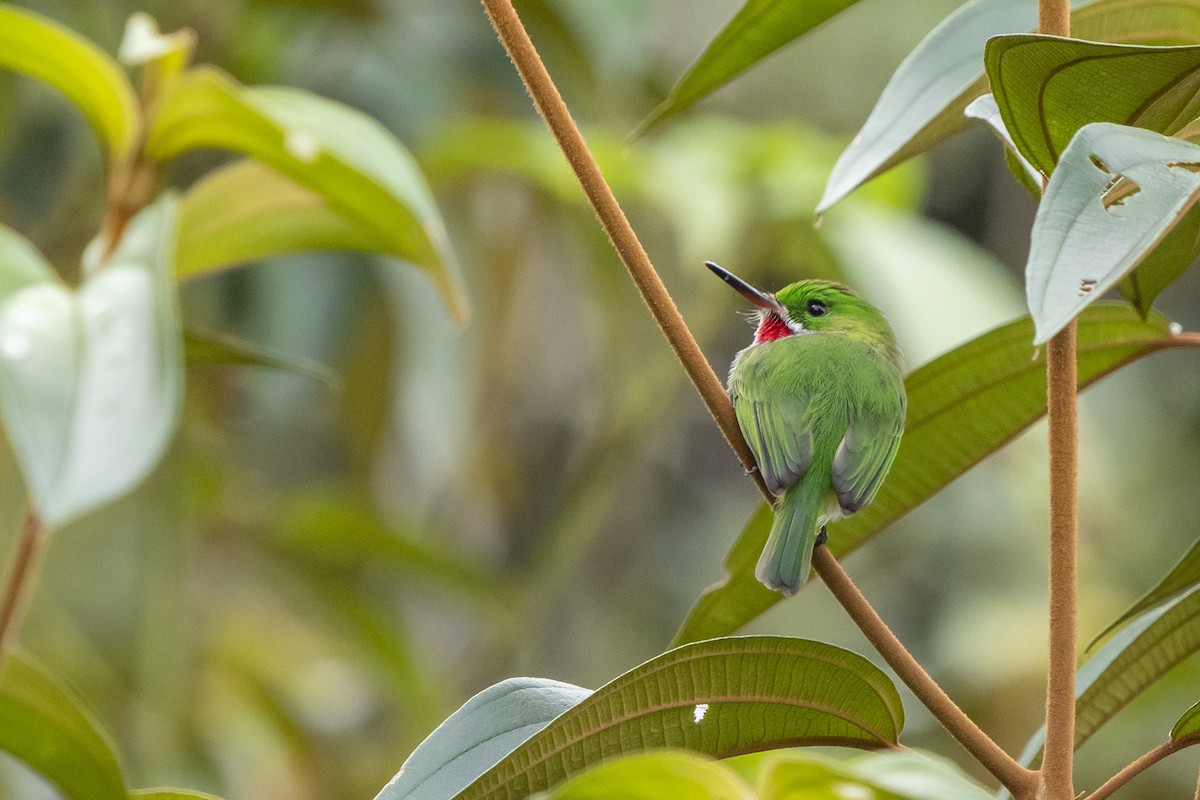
[
  {"x": 1057, "y": 779},
  {"x": 553, "y": 110},
  {"x": 1140, "y": 765},
  {"x": 22, "y": 578}
]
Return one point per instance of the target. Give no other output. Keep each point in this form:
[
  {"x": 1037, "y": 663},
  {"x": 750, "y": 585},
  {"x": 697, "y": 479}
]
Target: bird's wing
[
  {"x": 866, "y": 453},
  {"x": 778, "y": 427}
]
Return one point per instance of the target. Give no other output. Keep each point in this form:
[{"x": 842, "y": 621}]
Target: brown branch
[
  {"x": 1016, "y": 778},
  {"x": 558, "y": 118},
  {"x": 22, "y": 577},
  {"x": 1057, "y": 779},
  {"x": 550, "y": 105},
  {"x": 1148, "y": 760}
]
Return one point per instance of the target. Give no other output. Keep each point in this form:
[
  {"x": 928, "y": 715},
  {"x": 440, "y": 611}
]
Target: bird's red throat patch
[{"x": 770, "y": 328}]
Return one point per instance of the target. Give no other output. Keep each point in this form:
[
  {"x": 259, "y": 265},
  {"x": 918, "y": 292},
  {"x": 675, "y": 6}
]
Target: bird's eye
[{"x": 816, "y": 308}]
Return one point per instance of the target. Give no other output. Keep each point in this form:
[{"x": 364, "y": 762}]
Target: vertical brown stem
[
  {"x": 1054, "y": 18},
  {"x": 22, "y": 578}
]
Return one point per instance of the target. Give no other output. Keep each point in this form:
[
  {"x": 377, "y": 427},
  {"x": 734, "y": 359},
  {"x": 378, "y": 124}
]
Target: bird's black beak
[{"x": 760, "y": 299}]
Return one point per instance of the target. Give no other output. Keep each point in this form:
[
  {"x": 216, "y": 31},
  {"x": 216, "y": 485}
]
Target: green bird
[{"x": 819, "y": 396}]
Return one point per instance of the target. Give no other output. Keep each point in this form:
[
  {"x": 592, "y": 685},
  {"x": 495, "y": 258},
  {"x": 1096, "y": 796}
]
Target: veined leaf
[
  {"x": 758, "y": 29},
  {"x": 923, "y": 102},
  {"x": 984, "y": 109},
  {"x": 1188, "y": 726},
  {"x": 484, "y": 730},
  {"x": 91, "y": 380},
  {"x": 347, "y": 158},
  {"x": 1118, "y": 193},
  {"x": 656, "y": 775},
  {"x": 1184, "y": 576},
  {"x": 42, "y": 49},
  {"x": 720, "y": 697},
  {"x": 45, "y": 726},
  {"x": 961, "y": 407},
  {"x": 1045, "y": 89},
  {"x": 1129, "y": 663}
]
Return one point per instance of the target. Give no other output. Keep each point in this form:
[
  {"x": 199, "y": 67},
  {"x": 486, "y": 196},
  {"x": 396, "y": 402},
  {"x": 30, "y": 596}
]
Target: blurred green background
[{"x": 325, "y": 566}]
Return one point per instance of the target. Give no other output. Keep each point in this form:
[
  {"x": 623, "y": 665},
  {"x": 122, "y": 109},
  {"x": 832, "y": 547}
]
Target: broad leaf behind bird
[{"x": 819, "y": 396}]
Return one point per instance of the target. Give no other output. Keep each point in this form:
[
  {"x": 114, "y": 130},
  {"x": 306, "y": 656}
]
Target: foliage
[{"x": 445, "y": 492}]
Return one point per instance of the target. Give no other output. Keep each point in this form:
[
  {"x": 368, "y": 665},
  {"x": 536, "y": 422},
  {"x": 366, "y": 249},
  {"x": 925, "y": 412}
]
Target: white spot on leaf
[
  {"x": 1175, "y": 328},
  {"x": 303, "y": 146},
  {"x": 698, "y": 712},
  {"x": 852, "y": 791}
]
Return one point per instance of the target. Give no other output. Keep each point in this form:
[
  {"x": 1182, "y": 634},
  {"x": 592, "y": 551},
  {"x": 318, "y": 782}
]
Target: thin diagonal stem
[
  {"x": 22, "y": 577},
  {"x": 558, "y": 118},
  {"x": 1142, "y": 764}
]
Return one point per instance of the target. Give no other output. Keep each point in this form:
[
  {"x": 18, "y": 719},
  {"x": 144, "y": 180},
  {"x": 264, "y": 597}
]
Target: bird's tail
[{"x": 787, "y": 558}]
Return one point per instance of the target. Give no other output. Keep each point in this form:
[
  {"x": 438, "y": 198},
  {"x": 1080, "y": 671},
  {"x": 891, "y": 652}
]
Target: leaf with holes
[
  {"x": 961, "y": 407},
  {"x": 91, "y": 380},
  {"x": 351, "y": 161},
  {"x": 923, "y": 102},
  {"x": 1117, "y": 193},
  {"x": 42, "y": 49},
  {"x": 758, "y": 29},
  {"x": 1184, "y": 576},
  {"x": 1128, "y": 664}
]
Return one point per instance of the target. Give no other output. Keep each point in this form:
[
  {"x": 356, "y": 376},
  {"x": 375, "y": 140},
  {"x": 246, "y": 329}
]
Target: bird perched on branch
[{"x": 819, "y": 396}]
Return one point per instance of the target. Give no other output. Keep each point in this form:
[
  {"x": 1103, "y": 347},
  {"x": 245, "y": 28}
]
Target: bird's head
[{"x": 813, "y": 306}]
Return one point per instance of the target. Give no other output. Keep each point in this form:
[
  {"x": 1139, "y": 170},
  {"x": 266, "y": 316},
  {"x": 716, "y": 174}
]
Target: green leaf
[
  {"x": 1172, "y": 257},
  {"x": 484, "y": 730},
  {"x": 879, "y": 776},
  {"x": 923, "y": 102},
  {"x": 1128, "y": 664},
  {"x": 760, "y": 28},
  {"x": 213, "y": 349},
  {"x": 1118, "y": 191},
  {"x": 44, "y": 725},
  {"x": 1188, "y": 726},
  {"x": 42, "y": 49},
  {"x": 172, "y": 794},
  {"x": 347, "y": 158},
  {"x": 961, "y": 407},
  {"x": 91, "y": 380},
  {"x": 657, "y": 775},
  {"x": 1044, "y": 89},
  {"x": 248, "y": 211},
  {"x": 720, "y": 697},
  {"x": 1184, "y": 576}
]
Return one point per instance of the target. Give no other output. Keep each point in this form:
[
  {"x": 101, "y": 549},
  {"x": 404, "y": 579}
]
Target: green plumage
[{"x": 820, "y": 399}]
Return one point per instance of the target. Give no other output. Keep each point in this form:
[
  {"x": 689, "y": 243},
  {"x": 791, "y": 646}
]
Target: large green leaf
[
  {"x": 923, "y": 102},
  {"x": 961, "y": 407},
  {"x": 1045, "y": 89},
  {"x": 248, "y": 211},
  {"x": 656, "y": 775},
  {"x": 1128, "y": 664},
  {"x": 45, "y": 726},
  {"x": 760, "y": 28},
  {"x": 1116, "y": 195},
  {"x": 475, "y": 737},
  {"x": 879, "y": 776},
  {"x": 42, "y": 49},
  {"x": 1188, "y": 725},
  {"x": 347, "y": 158},
  {"x": 719, "y": 697},
  {"x": 1184, "y": 576},
  {"x": 91, "y": 380}
]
